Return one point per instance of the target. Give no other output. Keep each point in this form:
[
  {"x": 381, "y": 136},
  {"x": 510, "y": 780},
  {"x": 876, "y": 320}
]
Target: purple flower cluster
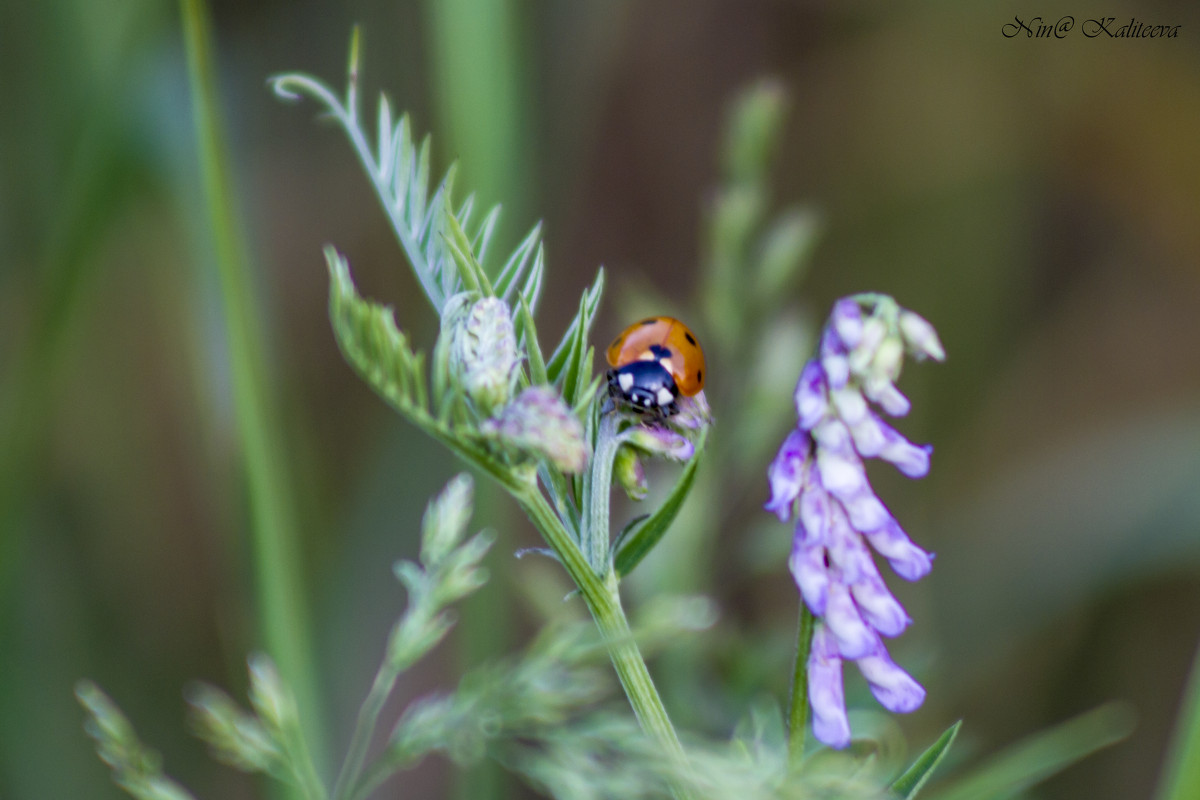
[{"x": 819, "y": 474}]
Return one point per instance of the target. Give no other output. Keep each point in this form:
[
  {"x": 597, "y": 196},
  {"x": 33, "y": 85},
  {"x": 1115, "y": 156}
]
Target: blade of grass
[
  {"x": 1042, "y": 755},
  {"x": 281, "y": 600},
  {"x": 908, "y": 784},
  {"x": 1181, "y": 773}
]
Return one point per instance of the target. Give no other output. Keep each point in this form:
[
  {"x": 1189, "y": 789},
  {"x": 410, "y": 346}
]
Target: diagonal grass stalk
[
  {"x": 281, "y": 604},
  {"x": 1181, "y": 773}
]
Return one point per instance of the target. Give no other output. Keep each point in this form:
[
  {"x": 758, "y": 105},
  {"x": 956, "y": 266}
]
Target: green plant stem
[
  {"x": 364, "y": 728},
  {"x": 604, "y": 602},
  {"x": 276, "y": 559},
  {"x": 597, "y": 490},
  {"x": 798, "y": 714}
]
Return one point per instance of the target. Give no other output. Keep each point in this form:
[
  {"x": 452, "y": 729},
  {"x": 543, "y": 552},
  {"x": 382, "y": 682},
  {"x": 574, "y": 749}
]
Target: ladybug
[{"x": 655, "y": 362}]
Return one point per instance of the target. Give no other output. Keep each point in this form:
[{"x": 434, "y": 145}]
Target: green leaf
[
  {"x": 563, "y": 367},
  {"x": 528, "y": 336},
  {"x": 639, "y": 539},
  {"x": 908, "y": 784},
  {"x": 510, "y": 276},
  {"x": 753, "y": 129},
  {"x": 1042, "y": 755},
  {"x": 784, "y": 251},
  {"x": 532, "y": 290},
  {"x": 472, "y": 275},
  {"x": 1181, "y": 772},
  {"x": 483, "y": 237},
  {"x": 367, "y": 335},
  {"x": 586, "y": 395}
]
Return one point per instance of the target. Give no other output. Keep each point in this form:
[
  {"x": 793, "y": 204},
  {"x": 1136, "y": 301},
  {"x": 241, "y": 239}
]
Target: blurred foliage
[{"x": 1036, "y": 200}]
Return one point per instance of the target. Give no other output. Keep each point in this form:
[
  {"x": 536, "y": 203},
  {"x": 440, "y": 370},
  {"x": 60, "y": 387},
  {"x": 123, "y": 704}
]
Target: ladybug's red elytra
[{"x": 655, "y": 362}]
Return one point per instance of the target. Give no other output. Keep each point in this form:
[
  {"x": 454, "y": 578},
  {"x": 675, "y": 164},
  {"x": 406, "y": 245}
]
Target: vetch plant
[
  {"x": 545, "y": 427},
  {"x": 819, "y": 474}
]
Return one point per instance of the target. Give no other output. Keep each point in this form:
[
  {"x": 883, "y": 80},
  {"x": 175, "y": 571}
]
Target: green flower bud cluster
[{"x": 483, "y": 350}]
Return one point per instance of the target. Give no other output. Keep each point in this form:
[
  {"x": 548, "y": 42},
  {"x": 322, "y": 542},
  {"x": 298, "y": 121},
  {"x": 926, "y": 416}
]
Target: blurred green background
[{"x": 1037, "y": 200}]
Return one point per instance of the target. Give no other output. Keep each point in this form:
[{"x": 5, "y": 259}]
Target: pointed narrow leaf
[
  {"x": 1046, "y": 753},
  {"x": 784, "y": 249},
  {"x": 405, "y": 159},
  {"x": 641, "y": 538},
  {"x": 508, "y": 279},
  {"x": 533, "y": 285},
  {"x": 460, "y": 247},
  {"x": 574, "y": 362},
  {"x": 590, "y": 302},
  {"x": 908, "y": 784},
  {"x": 584, "y": 377},
  {"x": 533, "y": 350},
  {"x": 463, "y": 215},
  {"x": 484, "y": 237},
  {"x": 586, "y": 395},
  {"x": 384, "y": 146},
  {"x": 419, "y": 186}
]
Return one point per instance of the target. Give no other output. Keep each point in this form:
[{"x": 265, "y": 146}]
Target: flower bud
[
  {"x": 660, "y": 440},
  {"x": 483, "y": 352},
  {"x": 888, "y": 359},
  {"x": 629, "y": 474},
  {"x": 539, "y": 422},
  {"x": 921, "y": 337},
  {"x": 270, "y": 696}
]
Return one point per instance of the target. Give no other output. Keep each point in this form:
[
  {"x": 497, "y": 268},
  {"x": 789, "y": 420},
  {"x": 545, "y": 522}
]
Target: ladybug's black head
[{"x": 645, "y": 386}]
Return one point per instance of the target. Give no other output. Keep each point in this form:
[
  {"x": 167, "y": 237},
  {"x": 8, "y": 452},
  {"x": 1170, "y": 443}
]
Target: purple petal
[
  {"x": 844, "y": 477},
  {"x": 847, "y": 481},
  {"x": 894, "y": 688},
  {"x": 815, "y": 508},
  {"x": 909, "y": 561},
  {"x": 810, "y": 395},
  {"x": 786, "y": 475},
  {"x": 911, "y": 459},
  {"x": 807, "y": 564},
  {"x": 825, "y": 695},
  {"x": 921, "y": 336},
  {"x": 889, "y": 398},
  {"x": 878, "y": 607},
  {"x": 854, "y": 638},
  {"x": 660, "y": 440},
  {"x": 850, "y": 405},
  {"x": 846, "y": 321},
  {"x": 833, "y": 359},
  {"x": 846, "y": 548},
  {"x": 694, "y": 412},
  {"x": 869, "y": 436},
  {"x": 832, "y": 434}
]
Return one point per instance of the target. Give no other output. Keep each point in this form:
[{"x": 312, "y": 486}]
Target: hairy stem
[
  {"x": 597, "y": 494},
  {"x": 798, "y": 714},
  {"x": 603, "y": 600}
]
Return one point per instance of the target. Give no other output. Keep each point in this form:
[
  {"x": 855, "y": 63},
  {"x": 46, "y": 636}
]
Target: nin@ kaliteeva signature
[{"x": 1039, "y": 28}]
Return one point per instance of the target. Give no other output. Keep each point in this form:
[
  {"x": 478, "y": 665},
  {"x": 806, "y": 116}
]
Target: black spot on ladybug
[
  {"x": 658, "y": 351},
  {"x": 691, "y": 341},
  {"x": 650, "y": 321},
  {"x": 699, "y": 376}
]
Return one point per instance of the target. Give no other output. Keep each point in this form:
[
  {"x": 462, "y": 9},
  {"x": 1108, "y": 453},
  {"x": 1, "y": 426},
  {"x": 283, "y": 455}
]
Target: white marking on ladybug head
[
  {"x": 664, "y": 396},
  {"x": 648, "y": 355},
  {"x": 625, "y": 380}
]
